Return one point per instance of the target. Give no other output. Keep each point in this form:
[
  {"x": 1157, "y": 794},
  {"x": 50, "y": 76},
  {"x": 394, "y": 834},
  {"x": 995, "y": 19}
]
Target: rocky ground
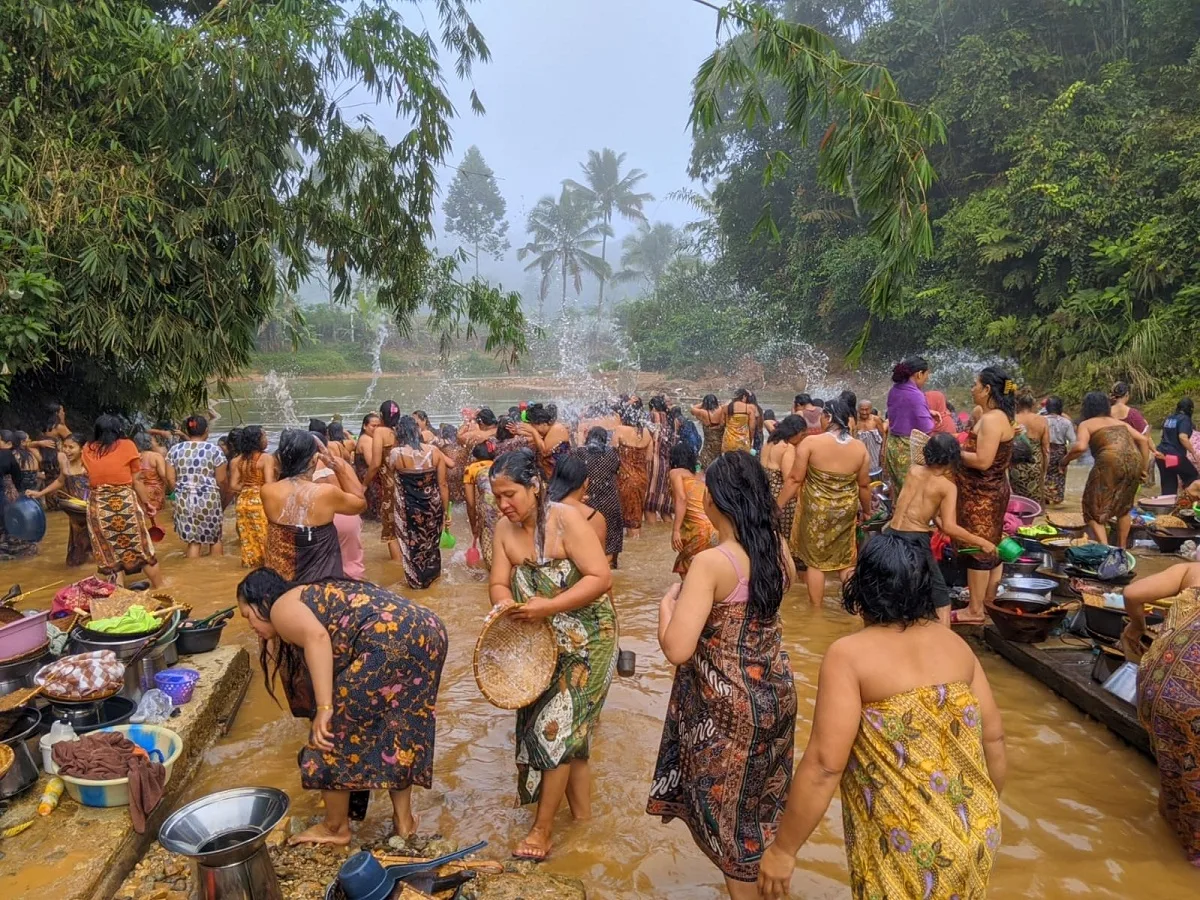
[{"x": 306, "y": 871}]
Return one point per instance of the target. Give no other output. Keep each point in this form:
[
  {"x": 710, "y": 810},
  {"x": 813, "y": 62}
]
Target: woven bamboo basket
[
  {"x": 916, "y": 442},
  {"x": 7, "y": 758},
  {"x": 1060, "y": 519},
  {"x": 514, "y": 660}
]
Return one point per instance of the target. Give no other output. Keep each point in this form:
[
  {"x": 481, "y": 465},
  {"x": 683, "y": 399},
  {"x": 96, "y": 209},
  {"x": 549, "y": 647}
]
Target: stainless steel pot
[
  {"x": 24, "y": 772},
  {"x": 17, "y": 675},
  {"x": 139, "y": 678}
]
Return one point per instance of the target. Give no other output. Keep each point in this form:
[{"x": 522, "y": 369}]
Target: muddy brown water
[{"x": 1080, "y": 807}]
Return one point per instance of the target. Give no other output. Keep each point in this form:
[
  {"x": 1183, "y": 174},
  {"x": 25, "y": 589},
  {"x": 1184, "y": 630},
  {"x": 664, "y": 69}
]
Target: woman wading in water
[
  {"x": 632, "y": 442},
  {"x": 707, "y": 413},
  {"x": 721, "y": 627},
  {"x": 550, "y": 562},
  {"x": 382, "y": 443},
  {"x": 1027, "y": 478},
  {"x": 778, "y": 457},
  {"x": 373, "y": 662},
  {"x": 250, "y": 470},
  {"x": 907, "y": 411},
  {"x": 196, "y": 471},
  {"x": 422, "y": 498}
]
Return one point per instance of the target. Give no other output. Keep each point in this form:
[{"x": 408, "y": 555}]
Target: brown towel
[{"x": 147, "y": 781}]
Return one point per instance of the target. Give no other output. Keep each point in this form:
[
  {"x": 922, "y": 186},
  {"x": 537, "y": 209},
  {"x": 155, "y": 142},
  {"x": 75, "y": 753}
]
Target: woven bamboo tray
[
  {"x": 514, "y": 660},
  {"x": 1060, "y": 519},
  {"x": 7, "y": 758}
]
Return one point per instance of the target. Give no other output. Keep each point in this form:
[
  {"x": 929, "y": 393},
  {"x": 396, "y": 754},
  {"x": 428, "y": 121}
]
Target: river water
[{"x": 1080, "y": 816}]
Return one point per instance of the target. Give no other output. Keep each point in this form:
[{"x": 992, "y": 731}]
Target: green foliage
[
  {"x": 1164, "y": 404},
  {"x": 475, "y": 208},
  {"x": 646, "y": 253},
  {"x": 168, "y": 169},
  {"x": 563, "y": 233}
]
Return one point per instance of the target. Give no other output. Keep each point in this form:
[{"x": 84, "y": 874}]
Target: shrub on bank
[{"x": 1164, "y": 404}]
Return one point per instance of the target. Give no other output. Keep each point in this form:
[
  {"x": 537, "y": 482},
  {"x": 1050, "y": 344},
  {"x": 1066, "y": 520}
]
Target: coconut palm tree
[
  {"x": 612, "y": 193},
  {"x": 562, "y": 234},
  {"x": 646, "y": 254}
]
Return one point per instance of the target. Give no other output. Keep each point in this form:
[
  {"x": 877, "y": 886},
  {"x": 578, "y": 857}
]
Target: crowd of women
[{"x": 904, "y": 723}]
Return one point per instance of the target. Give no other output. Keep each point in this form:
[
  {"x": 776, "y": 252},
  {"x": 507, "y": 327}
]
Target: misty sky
[{"x": 568, "y": 76}]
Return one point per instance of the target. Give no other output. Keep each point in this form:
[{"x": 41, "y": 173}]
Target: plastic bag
[{"x": 153, "y": 709}]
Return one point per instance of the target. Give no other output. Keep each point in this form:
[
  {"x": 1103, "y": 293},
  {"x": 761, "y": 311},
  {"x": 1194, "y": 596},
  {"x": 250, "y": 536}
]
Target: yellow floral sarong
[
  {"x": 737, "y": 433},
  {"x": 826, "y": 518},
  {"x": 919, "y": 810},
  {"x": 251, "y": 527}
]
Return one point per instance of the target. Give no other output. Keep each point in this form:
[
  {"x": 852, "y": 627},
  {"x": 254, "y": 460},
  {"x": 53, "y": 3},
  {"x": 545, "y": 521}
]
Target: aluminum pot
[
  {"x": 140, "y": 677},
  {"x": 24, "y": 771},
  {"x": 17, "y": 675}
]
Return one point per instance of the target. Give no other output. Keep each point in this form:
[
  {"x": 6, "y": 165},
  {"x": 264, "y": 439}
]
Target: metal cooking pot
[
  {"x": 139, "y": 678},
  {"x": 1030, "y": 585},
  {"x": 24, "y": 771},
  {"x": 17, "y": 675}
]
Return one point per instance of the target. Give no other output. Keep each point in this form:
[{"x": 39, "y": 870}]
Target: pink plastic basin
[{"x": 18, "y": 638}]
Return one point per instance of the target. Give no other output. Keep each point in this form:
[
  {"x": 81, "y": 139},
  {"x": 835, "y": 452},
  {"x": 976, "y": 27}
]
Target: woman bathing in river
[
  {"x": 362, "y": 453},
  {"x": 778, "y": 457},
  {"x": 1062, "y": 436},
  {"x": 72, "y": 481},
  {"x": 550, "y": 562},
  {"x": 421, "y": 503},
  {"x": 1028, "y": 477},
  {"x": 692, "y": 532},
  {"x": 196, "y": 471},
  {"x": 721, "y": 627},
  {"x": 250, "y": 470},
  {"x": 633, "y": 443},
  {"x": 907, "y": 411},
  {"x": 708, "y": 415},
  {"x": 374, "y": 662}
]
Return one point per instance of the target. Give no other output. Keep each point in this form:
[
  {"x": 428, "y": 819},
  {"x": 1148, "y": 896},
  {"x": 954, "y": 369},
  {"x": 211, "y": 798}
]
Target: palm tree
[
  {"x": 646, "y": 254},
  {"x": 562, "y": 232},
  {"x": 611, "y": 193}
]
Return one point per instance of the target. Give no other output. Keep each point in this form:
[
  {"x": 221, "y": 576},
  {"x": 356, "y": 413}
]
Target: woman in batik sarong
[
  {"x": 831, "y": 475},
  {"x": 1168, "y": 695},
  {"x": 721, "y": 628},
  {"x": 905, "y": 721},
  {"x": 692, "y": 533},
  {"x": 71, "y": 479},
  {"x": 633, "y": 442},
  {"x": 380, "y": 470},
  {"x": 196, "y": 472},
  {"x": 362, "y": 464},
  {"x": 1121, "y": 456},
  {"x": 665, "y": 428},
  {"x": 375, "y": 660},
  {"x": 777, "y": 458},
  {"x": 422, "y": 498},
  {"x": 481, "y": 503},
  {"x": 1027, "y": 477},
  {"x": 708, "y": 414},
  {"x": 248, "y": 472},
  {"x": 116, "y": 521},
  {"x": 550, "y": 562},
  {"x": 1062, "y": 436},
  {"x": 548, "y": 436}
]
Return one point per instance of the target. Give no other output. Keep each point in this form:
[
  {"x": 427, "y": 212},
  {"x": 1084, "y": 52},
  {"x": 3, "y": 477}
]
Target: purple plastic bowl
[
  {"x": 178, "y": 684},
  {"x": 1024, "y": 509}
]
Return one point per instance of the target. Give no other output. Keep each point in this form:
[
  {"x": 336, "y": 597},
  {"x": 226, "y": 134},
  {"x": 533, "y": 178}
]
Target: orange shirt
[{"x": 117, "y": 466}]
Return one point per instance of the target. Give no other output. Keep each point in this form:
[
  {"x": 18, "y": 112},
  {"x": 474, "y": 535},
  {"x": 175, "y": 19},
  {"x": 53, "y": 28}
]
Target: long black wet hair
[
  {"x": 1096, "y": 405},
  {"x": 839, "y": 414},
  {"x": 408, "y": 433},
  {"x": 337, "y": 431},
  {"x": 684, "y": 457},
  {"x": 485, "y": 417},
  {"x": 631, "y": 415},
  {"x": 597, "y": 439},
  {"x": 710, "y": 402},
  {"x": 569, "y": 476},
  {"x": 658, "y": 403},
  {"x": 787, "y": 428},
  {"x": 23, "y": 454},
  {"x": 389, "y": 413},
  {"x": 249, "y": 442},
  {"x": 1003, "y": 390},
  {"x": 851, "y": 400},
  {"x": 738, "y": 486},
  {"x": 537, "y": 414},
  {"x": 107, "y": 431},
  {"x": 297, "y": 447},
  {"x": 259, "y": 590},
  {"x": 743, "y": 395},
  {"x": 521, "y": 466},
  {"x": 892, "y": 583}
]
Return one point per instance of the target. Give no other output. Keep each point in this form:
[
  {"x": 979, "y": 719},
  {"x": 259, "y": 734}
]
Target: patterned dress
[
  {"x": 419, "y": 517},
  {"x": 197, "y": 511},
  {"x": 1113, "y": 483},
  {"x": 79, "y": 542},
  {"x": 602, "y": 469},
  {"x": 824, "y": 530},
  {"x": 897, "y": 459},
  {"x": 919, "y": 811},
  {"x": 873, "y": 441},
  {"x": 1062, "y": 436},
  {"x": 251, "y": 520},
  {"x": 983, "y": 497},
  {"x": 714, "y": 435},
  {"x": 371, "y": 490},
  {"x": 1168, "y": 700},
  {"x": 787, "y": 515},
  {"x": 696, "y": 530},
  {"x": 1026, "y": 478},
  {"x": 156, "y": 491},
  {"x": 632, "y": 484},
  {"x": 388, "y": 654},
  {"x": 737, "y": 433},
  {"x": 658, "y": 496},
  {"x": 119, "y": 530},
  {"x": 725, "y": 761},
  {"x": 486, "y": 511},
  {"x": 556, "y": 728}
]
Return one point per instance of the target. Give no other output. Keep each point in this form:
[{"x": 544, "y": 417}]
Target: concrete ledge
[
  {"x": 80, "y": 853},
  {"x": 1068, "y": 673}
]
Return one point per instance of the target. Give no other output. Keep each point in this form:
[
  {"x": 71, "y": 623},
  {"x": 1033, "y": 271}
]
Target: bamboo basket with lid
[{"x": 514, "y": 660}]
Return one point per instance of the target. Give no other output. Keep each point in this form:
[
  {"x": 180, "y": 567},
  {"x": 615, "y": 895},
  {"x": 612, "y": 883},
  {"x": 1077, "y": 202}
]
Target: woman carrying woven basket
[
  {"x": 550, "y": 562},
  {"x": 725, "y": 761},
  {"x": 375, "y": 661}
]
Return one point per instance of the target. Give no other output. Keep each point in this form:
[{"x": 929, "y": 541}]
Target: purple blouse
[{"x": 907, "y": 410}]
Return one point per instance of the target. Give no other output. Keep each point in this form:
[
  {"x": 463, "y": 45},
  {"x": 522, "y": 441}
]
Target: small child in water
[{"x": 930, "y": 492}]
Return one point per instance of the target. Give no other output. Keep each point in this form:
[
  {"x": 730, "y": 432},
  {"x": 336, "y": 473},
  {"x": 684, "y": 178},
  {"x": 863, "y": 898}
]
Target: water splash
[
  {"x": 381, "y": 336},
  {"x": 273, "y": 390}
]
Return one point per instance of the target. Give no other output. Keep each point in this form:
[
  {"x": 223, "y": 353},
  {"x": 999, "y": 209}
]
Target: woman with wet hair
[
  {"x": 72, "y": 482},
  {"x": 382, "y": 443},
  {"x": 364, "y": 664},
  {"x": 570, "y": 486},
  {"x": 740, "y": 417},
  {"x": 196, "y": 472},
  {"x": 548, "y": 436},
  {"x": 906, "y": 724},
  {"x": 778, "y": 457},
  {"x": 707, "y": 413},
  {"x": 422, "y": 418},
  {"x": 250, "y": 470},
  {"x": 907, "y": 411},
  {"x": 116, "y": 517},
  {"x": 1061, "y": 437},
  {"x": 721, "y": 628},
  {"x": 1121, "y": 455},
  {"x": 603, "y": 466},
  {"x": 692, "y": 532},
  {"x": 832, "y": 476},
  {"x": 1028, "y": 475},
  {"x": 422, "y": 498},
  {"x": 302, "y": 540},
  {"x": 362, "y": 465},
  {"x": 633, "y": 443},
  {"x": 482, "y": 513},
  {"x": 550, "y": 564},
  {"x": 664, "y": 428},
  {"x": 983, "y": 488}
]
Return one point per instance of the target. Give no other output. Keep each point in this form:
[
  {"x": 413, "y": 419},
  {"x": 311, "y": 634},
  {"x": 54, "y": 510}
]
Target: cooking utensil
[
  {"x": 24, "y": 771},
  {"x": 1042, "y": 586},
  {"x": 432, "y": 883},
  {"x": 210, "y": 621},
  {"x": 19, "y": 698},
  {"x": 15, "y": 593}
]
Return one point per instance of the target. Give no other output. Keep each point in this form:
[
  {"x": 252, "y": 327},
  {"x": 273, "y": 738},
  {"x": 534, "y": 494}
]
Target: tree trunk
[
  {"x": 563, "y": 305},
  {"x": 477, "y": 259},
  {"x": 600, "y": 300}
]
